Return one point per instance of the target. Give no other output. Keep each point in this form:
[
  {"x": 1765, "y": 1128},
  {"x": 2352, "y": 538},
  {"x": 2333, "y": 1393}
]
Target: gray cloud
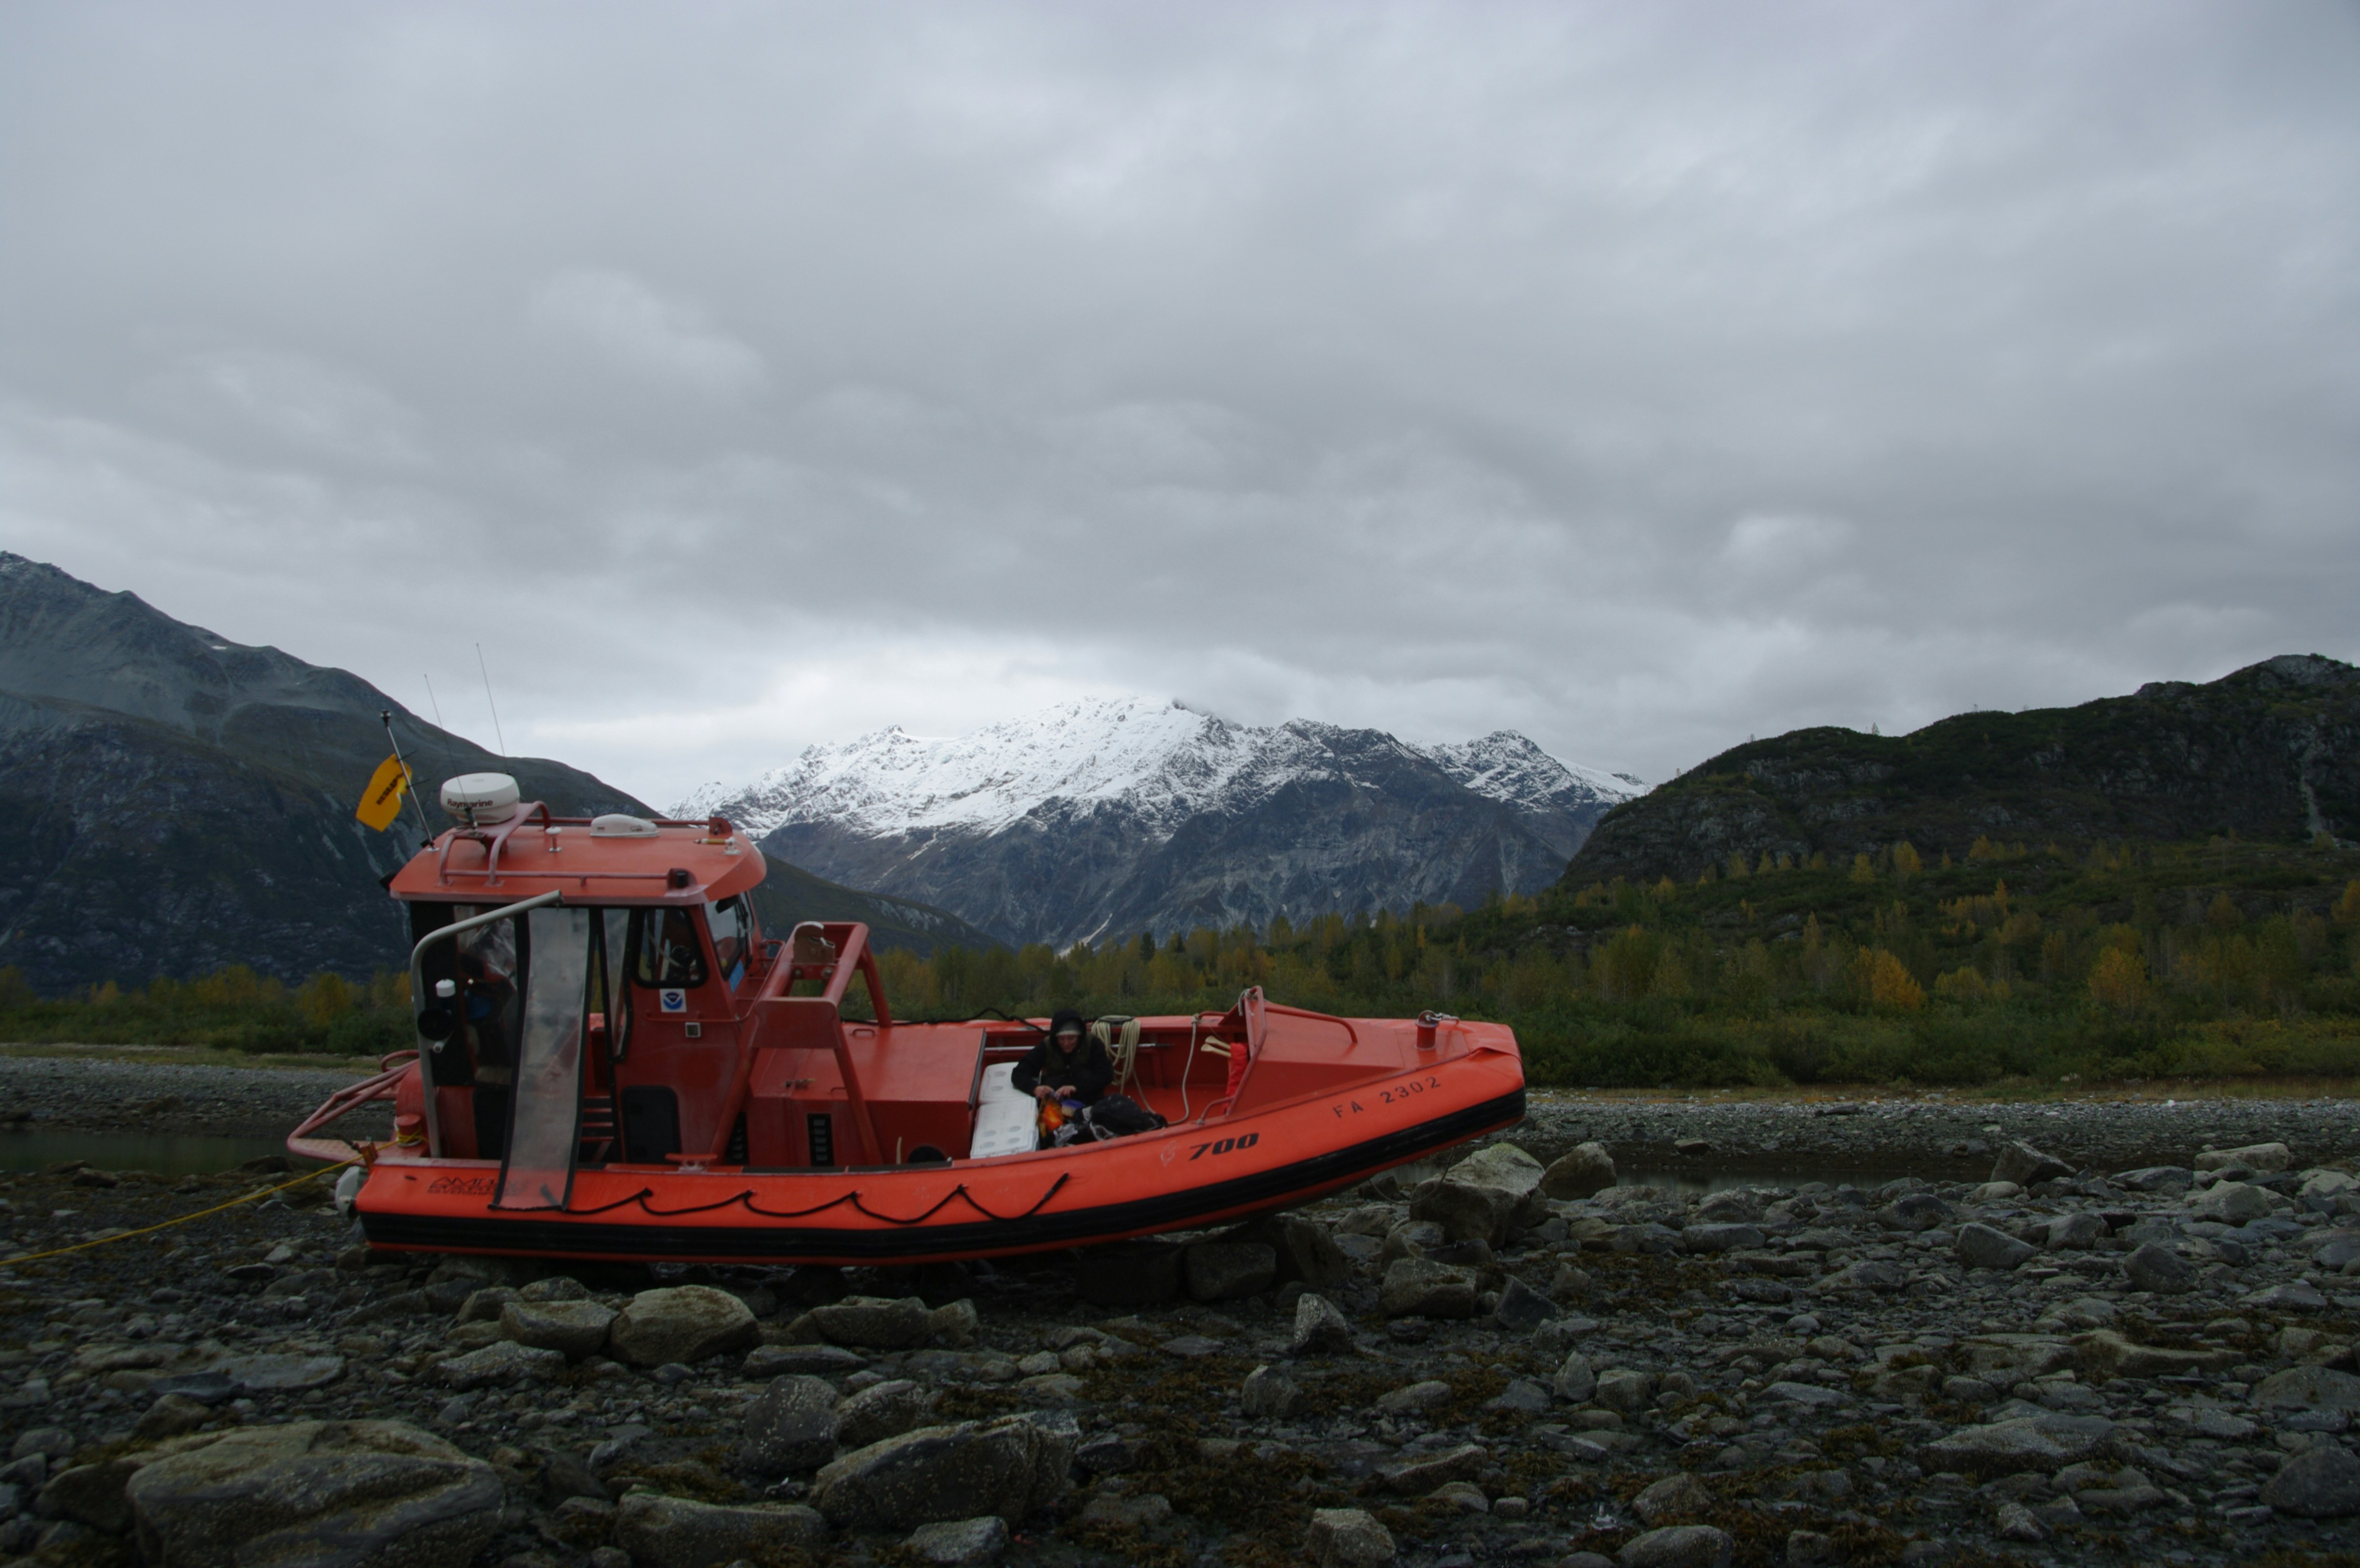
[{"x": 1641, "y": 377}]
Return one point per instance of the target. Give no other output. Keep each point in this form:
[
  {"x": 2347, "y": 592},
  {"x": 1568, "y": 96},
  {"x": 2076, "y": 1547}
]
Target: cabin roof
[{"x": 680, "y": 862}]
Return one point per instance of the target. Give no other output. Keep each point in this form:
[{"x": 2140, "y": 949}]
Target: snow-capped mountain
[{"x": 1111, "y": 815}]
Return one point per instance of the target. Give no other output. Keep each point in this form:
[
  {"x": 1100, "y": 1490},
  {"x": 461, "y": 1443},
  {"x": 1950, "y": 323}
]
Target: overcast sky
[{"x": 1638, "y": 376}]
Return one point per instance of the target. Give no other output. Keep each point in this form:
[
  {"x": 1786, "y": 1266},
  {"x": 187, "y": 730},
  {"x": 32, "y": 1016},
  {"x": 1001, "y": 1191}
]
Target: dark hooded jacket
[{"x": 1088, "y": 1069}]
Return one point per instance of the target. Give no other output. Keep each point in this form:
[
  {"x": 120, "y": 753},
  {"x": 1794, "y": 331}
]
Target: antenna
[
  {"x": 433, "y": 703},
  {"x": 494, "y": 705},
  {"x": 384, "y": 716}
]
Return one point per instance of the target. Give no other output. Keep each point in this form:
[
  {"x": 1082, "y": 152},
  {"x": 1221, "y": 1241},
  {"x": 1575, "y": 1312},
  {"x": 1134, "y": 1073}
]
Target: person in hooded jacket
[{"x": 1068, "y": 1065}]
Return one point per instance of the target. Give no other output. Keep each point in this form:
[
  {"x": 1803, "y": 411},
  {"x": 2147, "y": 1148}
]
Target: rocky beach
[{"x": 2119, "y": 1332}]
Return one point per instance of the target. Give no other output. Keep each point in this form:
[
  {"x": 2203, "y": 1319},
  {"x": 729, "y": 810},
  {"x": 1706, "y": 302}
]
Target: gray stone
[
  {"x": 1302, "y": 1248},
  {"x": 2030, "y": 1442},
  {"x": 1005, "y": 1467},
  {"x": 2150, "y": 1266},
  {"x": 281, "y": 1373},
  {"x": 2309, "y": 1388},
  {"x": 1574, "y": 1381},
  {"x": 2230, "y": 1202},
  {"x": 1223, "y": 1271},
  {"x": 1415, "y": 1287},
  {"x": 556, "y": 1287},
  {"x": 1348, "y": 1537},
  {"x": 1586, "y": 1169},
  {"x": 1319, "y": 1327},
  {"x": 338, "y": 1494},
  {"x": 954, "y": 1324},
  {"x": 1412, "y": 1238},
  {"x": 1672, "y": 1499},
  {"x": 1623, "y": 1389},
  {"x": 1721, "y": 1237},
  {"x": 2077, "y": 1232},
  {"x": 1420, "y": 1396},
  {"x": 880, "y": 1411},
  {"x": 791, "y": 1425},
  {"x": 91, "y": 1494},
  {"x": 959, "y": 1543},
  {"x": 1812, "y": 1395},
  {"x": 2014, "y": 1522},
  {"x": 1482, "y": 1196},
  {"x": 2155, "y": 1178},
  {"x": 684, "y": 1323},
  {"x": 574, "y": 1329},
  {"x": 1417, "y": 1477},
  {"x": 1268, "y": 1393},
  {"x": 774, "y": 1360},
  {"x": 1981, "y": 1247},
  {"x": 875, "y": 1323},
  {"x": 1678, "y": 1546},
  {"x": 674, "y": 1532},
  {"x": 503, "y": 1363},
  {"x": 483, "y": 1306},
  {"x": 2320, "y": 1482},
  {"x": 2266, "y": 1158},
  {"x": 2294, "y": 1296},
  {"x": 2024, "y": 1165},
  {"x": 1522, "y": 1309},
  {"x": 1913, "y": 1212},
  {"x": 1868, "y": 1274}
]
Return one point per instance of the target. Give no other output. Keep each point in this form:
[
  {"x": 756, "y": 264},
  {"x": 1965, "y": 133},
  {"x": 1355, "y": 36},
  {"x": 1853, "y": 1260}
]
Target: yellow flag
[{"x": 382, "y": 802}]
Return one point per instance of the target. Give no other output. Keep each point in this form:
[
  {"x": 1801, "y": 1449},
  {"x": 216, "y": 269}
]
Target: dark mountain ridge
[
  {"x": 2270, "y": 751},
  {"x": 173, "y": 802}
]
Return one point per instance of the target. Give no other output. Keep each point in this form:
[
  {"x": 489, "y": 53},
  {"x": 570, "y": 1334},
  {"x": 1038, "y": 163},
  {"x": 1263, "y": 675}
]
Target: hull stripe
[{"x": 788, "y": 1244}]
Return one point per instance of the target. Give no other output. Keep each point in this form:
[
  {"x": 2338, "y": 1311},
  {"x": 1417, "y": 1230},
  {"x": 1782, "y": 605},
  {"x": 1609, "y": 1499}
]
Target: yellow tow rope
[{"x": 184, "y": 1219}]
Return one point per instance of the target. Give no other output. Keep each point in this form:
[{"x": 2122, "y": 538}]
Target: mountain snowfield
[{"x": 1115, "y": 814}]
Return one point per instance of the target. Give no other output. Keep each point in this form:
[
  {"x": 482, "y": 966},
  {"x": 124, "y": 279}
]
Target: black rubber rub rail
[{"x": 787, "y": 1243}]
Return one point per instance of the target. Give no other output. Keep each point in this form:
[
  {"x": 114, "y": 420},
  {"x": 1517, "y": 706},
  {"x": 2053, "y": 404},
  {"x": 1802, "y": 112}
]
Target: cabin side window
[
  {"x": 732, "y": 925},
  {"x": 664, "y": 949}
]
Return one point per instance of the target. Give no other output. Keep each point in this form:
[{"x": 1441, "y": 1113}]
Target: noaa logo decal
[{"x": 673, "y": 1000}]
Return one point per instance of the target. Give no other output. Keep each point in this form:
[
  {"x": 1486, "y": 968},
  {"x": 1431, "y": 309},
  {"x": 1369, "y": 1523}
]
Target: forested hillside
[{"x": 2215, "y": 958}]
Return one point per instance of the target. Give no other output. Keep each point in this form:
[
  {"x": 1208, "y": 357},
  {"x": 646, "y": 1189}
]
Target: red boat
[{"x": 615, "y": 1061}]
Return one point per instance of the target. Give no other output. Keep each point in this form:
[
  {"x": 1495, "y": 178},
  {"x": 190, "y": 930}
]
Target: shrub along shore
[{"x": 2220, "y": 959}]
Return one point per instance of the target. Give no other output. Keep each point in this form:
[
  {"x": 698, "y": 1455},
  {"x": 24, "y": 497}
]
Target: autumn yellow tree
[
  {"x": 1891, "y": 985},
  {"x": 2118, "y": 979}
]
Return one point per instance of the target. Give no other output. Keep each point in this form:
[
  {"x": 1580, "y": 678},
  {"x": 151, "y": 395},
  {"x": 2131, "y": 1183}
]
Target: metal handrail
[{"x": 417, "y": 991}]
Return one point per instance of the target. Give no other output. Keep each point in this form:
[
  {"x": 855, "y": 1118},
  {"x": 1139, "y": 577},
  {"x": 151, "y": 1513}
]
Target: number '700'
[{"x": 1223, "y": 1145}]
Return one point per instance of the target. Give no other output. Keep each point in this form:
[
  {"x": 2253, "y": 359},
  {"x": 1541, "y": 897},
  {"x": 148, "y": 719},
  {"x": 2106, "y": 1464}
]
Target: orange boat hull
[{"x": 1179, "y": 1178}]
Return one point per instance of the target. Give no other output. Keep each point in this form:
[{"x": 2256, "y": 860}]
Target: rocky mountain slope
[
  {"x": 171, "y": 802},
  {"x": 1115, "y": 815},
  {"x": 2271, "y": 752}
]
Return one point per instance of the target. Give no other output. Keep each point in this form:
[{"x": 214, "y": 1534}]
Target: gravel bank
[
  {"x": 108, "y": 1094},
  {"x": 2153, "y": 1366}
]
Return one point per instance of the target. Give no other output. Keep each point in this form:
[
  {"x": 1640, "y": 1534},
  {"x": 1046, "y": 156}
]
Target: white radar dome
[{"x": 481, "y": 800}]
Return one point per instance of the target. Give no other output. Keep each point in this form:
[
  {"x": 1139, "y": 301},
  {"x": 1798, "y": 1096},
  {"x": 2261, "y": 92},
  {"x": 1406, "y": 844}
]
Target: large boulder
[
  {"x": 2046, "y": 1443},
  {"x": 2152, "y": 1267},
  {"x": 1006, "y": 1467},
  {"x": 875, "y": 1323},
  {"x": 2230, "y": 1202},
  {"x": 496, "y": 1365},
  {"x": 791, "y": 1425},
  {"x": 1223, "y": 1271},
  {"x": 2105, "y": 1354},
  {"x": 1582, "y": 1171},
  {"x": 1302, "y": 1250},
  {"x": 2320, "y": 1483},
  {"x": 574, "y": 1329},
  {"x": 350, "y": 1494},
  {"x": 1348, "y": 1537},
  {"x": 2309, "y": 1388},
  {"x": 2267, "y": 1159},
  {"x": 1319, "y": 1327},
  {"x": 1419, "y": 1287},
  {"x": 673, "y": 1532},
  {"x": 684, "y": 1323},
  {"x": 1981, "y": 1247},
  {"x": 1482, "y": 1197},
  {"x": 2024, "y": 1165},
  {"x": 880, "y": 1411},
  {"x": 1678, "y": 1546}
]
